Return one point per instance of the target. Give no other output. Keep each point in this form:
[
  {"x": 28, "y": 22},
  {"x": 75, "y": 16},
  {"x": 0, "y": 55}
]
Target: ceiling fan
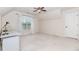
[{"x": 39, "y": 9}]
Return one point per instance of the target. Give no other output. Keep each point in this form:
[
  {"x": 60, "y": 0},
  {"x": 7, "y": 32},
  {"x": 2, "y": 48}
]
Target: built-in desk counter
[{"x": 11, "y": 42}]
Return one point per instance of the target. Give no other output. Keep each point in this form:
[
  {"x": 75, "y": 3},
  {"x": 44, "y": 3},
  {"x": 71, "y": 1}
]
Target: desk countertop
[{"x": 13, "y": 34}]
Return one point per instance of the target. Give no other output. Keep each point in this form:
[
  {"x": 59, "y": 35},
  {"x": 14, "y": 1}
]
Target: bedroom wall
[
  {"x": 13, "y": 21},
  {"x": 13, "y": 18},
  {"x": 0, "y": 22},
  {"x": 52, "y": 23}
]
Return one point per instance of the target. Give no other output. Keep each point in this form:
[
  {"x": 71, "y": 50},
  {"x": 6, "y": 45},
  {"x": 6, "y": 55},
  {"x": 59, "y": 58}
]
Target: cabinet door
[
  {"x": 11, "y": 44},
  {"x": 71, "y": 25}
]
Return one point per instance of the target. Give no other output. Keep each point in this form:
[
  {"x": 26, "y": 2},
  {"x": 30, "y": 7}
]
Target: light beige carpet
[{"x": 43, "y": 42}]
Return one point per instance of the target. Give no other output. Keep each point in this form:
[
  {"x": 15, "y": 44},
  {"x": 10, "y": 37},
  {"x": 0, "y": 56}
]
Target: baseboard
[
  {"x": 59, "y": 36},
  {"x": 62, "y": 36}
]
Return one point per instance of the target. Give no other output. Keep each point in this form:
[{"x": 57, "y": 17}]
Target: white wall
[
  {"x": 14, "y": 19},
  {"x": 52, "y": 22},
  {"x": 35, "y": 26},
  {"x": 0, "y": 22}
]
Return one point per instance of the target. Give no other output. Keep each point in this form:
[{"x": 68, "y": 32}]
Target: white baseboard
[{"x": 59, "y": 36}]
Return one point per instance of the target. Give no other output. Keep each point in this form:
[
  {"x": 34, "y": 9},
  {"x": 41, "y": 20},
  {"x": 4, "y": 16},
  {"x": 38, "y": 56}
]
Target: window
[{"x": 26, "y": 22}]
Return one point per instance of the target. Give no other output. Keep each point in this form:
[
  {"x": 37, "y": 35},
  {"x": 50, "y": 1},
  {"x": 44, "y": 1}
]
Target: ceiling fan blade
[
  {"x": 35, "y": 10},
  {"x": 41, "y": 7},
  {"x": 43, "y": 10}
]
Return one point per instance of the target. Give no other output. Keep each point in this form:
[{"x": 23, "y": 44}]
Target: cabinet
[{"x": 11, "y": 43}]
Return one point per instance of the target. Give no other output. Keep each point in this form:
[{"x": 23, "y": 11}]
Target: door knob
[{"x": 66, "y": 26}]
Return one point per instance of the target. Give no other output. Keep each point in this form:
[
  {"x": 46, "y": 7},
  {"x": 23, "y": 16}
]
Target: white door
[{"x": 71, "y": 25}]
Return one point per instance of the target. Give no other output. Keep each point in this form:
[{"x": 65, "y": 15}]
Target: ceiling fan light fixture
[{"x": 39, "y": 9}]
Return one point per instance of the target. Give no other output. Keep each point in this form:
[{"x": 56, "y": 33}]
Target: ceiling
[{"x": 4, "y": 10}]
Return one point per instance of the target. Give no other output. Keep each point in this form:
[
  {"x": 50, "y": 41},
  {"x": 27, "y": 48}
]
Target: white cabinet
[
  {"x": 11, "y": 43},
  {"x": 71, "y": 24}
]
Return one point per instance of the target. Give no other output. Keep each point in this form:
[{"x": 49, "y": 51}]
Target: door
[{"x": 71, "y": 25}]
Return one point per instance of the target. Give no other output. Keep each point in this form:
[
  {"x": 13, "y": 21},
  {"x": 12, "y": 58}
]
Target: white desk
[{"x": 11, "y": 42}]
